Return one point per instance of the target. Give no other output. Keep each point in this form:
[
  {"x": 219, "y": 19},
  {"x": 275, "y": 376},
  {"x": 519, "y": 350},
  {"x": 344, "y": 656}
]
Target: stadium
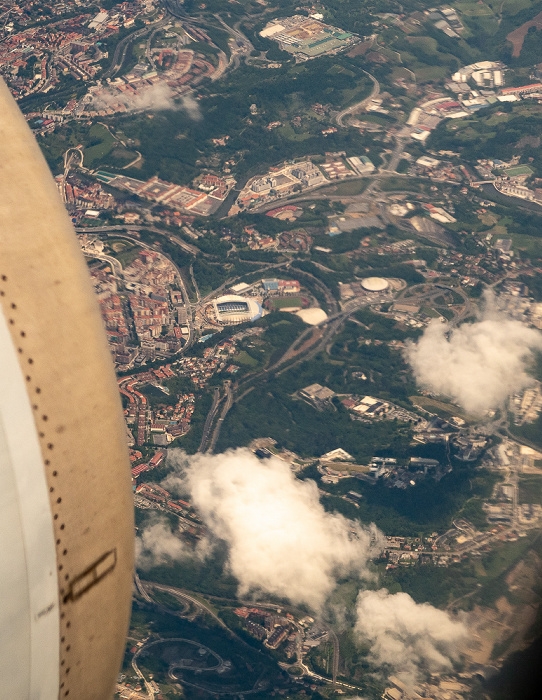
[
  {"x": 374, "y": 284},
  {"x": 231, "y": 309}
]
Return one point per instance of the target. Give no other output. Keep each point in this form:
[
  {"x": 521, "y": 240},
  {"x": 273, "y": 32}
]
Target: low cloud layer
[
  {"x": 157, "y": 97},
  {"x": 157, "y": 544},
  {"x": 407, "y": 636},
  {"x": 280, "y": 539},
  {"x": 477, "y": 365}
]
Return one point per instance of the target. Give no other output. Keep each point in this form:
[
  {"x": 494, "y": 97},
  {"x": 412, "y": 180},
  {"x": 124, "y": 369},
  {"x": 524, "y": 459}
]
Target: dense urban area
[{"x": 275, "y": 200}]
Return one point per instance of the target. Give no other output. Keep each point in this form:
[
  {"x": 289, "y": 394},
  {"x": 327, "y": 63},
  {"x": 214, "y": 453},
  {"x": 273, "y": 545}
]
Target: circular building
[
  {"x": 231, "y": 309},
  {"x": 312, "y": 316},
  {"x": 374, "y": 284}
]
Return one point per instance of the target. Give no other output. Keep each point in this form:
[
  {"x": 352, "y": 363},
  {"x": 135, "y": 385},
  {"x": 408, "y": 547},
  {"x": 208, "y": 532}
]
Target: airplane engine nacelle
[{"x": 66, "y": 513}]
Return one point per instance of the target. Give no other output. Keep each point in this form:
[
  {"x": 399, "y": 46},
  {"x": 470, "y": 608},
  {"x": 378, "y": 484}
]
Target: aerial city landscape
[{"x": 314, "y": 232}]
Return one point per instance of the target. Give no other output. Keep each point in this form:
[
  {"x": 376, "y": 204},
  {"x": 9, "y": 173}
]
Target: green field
[
  {"x": 445, "y": 410},
  {"x": 518, "y": 170},
  {"x": 509, "y": 7},
  {"x": 474, "y": 9},
  {"x": 124, "y": 251},
  {"x": 243, "y": 358},
  {"x": 351, "y": 188},
  {"x": 287, "y": 302},
  {"x": 528, "y": 244},
  {"x": 495, "y": 132},
  {"x": 530, "y": 488},
  {"x": 100, "y": 147},
  {"x": 392, "y": 184}
]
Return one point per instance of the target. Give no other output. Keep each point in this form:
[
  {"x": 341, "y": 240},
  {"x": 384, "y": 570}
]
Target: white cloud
[
  {"x": 191, "y": 107},
  {"x": 280, "y": 539},
  {"x": 157, "y": 544},
  {"x": 159, "y": 96},
  {"x": 477, "y": 364},
  {"x": 407, "y": 636}
]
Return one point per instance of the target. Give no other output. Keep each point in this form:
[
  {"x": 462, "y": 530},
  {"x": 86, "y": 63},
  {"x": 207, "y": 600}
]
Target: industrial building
[
  {"x": 318, "y": 395},
  {"x": 307, "y": 37}
]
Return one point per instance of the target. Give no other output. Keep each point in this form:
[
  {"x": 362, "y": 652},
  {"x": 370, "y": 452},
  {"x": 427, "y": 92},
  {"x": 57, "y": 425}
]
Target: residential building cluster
[
  {"x": 211, "y": 192},
  {"x": 270, "y": 628},
  {"x": 289, "y": 178},
  {"x": 280, "y": 181},
  {"x": 167, "y": 421},
  {"x": 526, "y": 405},
  {"x": 200, "y": 370},
  {"x": 336, "y": 169},
  {"x": 149, "y": 316},
  {"x": 163, "y": 424},
  {"x": 80, "y": 198},
  {"x": 151, "y": 496},
  {"x": 515, "y": 301},
  {"x": 256, "y": 241},
  {"x": 136, "y": 91},
  {"x": 295, "y": 240},
  {"x": 413, "y": 551},
  {"x": 150, "y": 273},
  {"x": 474, "y": 87},
  {"x": 35, "y": 59},
  {"x": 143, "y": 317}
]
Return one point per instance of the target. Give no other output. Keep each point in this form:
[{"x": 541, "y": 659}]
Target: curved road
[
  {"x": 136, "y": 227},
  {"x": 209, "y": 421},
  {"x": 122, "y": 47},
  {"x": 359, "y": 105}
]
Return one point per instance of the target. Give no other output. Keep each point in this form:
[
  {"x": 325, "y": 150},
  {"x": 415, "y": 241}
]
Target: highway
[
  {"x": 362, "y": 104},
  {"x": 122, "y": 47},
  {"x": 240, "y": 47},
  {"x": 116, "y": 267},
  {"x": 148, "y": 686},
  {"x": 209, "y": 421},
  {"x": 285, "y": 607},
  {"x": 336, "y": 656},
  {"x": 196, "y": 602},
  {"x": 136, "y": 227},
  {"x": 428, "y": 292},
  {"x": 194, "y": 283},
  {"x": 228, "y": 403}
]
